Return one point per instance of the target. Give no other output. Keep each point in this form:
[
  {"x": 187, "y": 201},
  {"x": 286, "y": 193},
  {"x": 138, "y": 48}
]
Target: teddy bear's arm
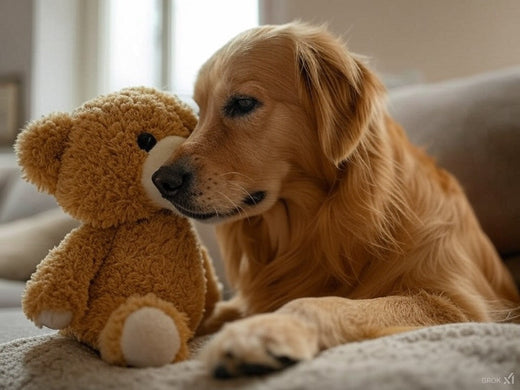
[{"x": 58, "y": 291}]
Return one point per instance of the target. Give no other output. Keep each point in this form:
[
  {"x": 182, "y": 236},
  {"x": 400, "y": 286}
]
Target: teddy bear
[{"x": 133, "y": 280}]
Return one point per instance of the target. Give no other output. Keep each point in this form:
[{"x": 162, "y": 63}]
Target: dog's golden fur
[{"x": 354, "y": 216}]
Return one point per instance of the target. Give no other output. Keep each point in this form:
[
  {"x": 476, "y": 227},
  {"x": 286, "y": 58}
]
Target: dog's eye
[
  {"x": 240, "y": 106},
  {"x": 146, "y": 141}
]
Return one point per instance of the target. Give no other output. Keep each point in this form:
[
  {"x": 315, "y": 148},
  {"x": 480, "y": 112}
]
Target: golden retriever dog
[{"x": 333, "y": 227}]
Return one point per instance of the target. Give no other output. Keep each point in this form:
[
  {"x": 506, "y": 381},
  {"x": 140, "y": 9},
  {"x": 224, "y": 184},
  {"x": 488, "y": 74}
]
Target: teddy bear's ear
[{"x": 39, "y": 148}]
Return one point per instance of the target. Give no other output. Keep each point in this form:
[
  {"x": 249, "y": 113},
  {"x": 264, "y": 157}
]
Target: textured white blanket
[{"x": 457, "y": 356}]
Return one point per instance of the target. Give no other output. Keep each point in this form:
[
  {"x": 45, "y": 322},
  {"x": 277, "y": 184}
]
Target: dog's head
[{"x": 279, "y": 105}]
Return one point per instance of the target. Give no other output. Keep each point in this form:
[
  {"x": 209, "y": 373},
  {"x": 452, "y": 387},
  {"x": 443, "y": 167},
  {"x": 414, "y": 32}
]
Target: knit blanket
[{"x": 456, "y": 356}]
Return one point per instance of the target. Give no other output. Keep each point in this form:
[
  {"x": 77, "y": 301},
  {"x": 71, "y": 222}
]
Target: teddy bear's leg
[{"x": 145, "y": 331}]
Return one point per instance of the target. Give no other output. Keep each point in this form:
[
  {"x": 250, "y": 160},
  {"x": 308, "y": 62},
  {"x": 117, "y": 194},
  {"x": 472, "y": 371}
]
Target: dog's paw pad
[
  {"x": 285, "y": 361},
  {"x": 259, "y": 345}
]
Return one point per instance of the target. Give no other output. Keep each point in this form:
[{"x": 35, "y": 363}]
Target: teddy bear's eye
[{"x": 146, "y": 141}]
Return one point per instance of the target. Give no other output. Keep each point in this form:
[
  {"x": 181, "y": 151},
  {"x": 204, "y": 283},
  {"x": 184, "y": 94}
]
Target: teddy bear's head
[{"x": 98, "y": 161}]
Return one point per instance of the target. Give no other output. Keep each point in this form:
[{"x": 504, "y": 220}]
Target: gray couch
[{"x": 472, "y": 127}]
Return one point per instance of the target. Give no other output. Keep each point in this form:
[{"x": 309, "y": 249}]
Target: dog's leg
[
  {"x": 302, "y": 328},
  {"x": 224, "y": 311}
]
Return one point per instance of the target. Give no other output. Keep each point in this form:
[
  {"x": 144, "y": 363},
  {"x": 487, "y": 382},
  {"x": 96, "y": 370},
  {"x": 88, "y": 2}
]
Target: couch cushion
[
  {"x": 11, "y": 293},
  {"x": 16, "y": 326},
  {"x": 26, "y": 241},
  {"x": 456, "y": 356},
  {"x": 472, "y": 127},
  {"x": 20, "y": 199}
]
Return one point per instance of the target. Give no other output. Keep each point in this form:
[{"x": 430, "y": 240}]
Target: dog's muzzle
[{"x": 176, "y": 183}]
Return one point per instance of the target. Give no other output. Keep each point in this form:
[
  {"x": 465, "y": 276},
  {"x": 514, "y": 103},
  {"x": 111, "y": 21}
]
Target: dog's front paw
[
  {"x": 259, "y": 345},
  {"x": 53, "y": 319}
]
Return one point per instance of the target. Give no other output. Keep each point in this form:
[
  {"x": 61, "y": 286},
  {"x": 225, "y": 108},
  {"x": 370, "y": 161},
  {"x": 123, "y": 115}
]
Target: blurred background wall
[
  {"x": 429, "y": 40},
  {"x": 60, "y": 49},
  {"x": 16, "y": 45}
]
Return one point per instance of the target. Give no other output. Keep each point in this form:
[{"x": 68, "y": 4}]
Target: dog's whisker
[
  {"x": 242, "y": 189},
  {"x": 233, "y": 204},
  {"x": 239, "y": 187}
]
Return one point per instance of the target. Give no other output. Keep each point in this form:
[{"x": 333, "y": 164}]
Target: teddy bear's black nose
[{"x": 171, "y": 180}]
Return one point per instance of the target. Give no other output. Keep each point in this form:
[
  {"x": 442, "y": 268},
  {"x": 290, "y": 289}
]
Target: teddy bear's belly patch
[
  {"x": 170, "y": 278},
  {"x": 148, "y": 258}
]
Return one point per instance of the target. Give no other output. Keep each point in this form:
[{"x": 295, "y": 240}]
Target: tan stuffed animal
[{"x": 133, "y": 280}]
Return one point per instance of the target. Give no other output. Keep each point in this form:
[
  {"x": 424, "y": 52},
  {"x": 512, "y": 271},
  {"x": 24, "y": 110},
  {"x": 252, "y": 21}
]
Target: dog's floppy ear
[
  {"x": 345, "y": 96},
  {"x": 39, "y": 148}
]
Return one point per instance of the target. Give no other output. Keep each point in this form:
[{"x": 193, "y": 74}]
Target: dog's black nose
[{"x": 171, "y": 180}]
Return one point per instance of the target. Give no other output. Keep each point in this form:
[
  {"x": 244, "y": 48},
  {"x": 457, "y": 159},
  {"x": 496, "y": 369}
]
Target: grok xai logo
[{"x": 505, "y": 380}]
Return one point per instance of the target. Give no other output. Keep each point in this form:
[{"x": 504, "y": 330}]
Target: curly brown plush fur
[{"x": 133, "y": 280}]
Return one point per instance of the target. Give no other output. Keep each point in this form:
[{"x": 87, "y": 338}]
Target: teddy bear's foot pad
[
  {"x": 53, "y": 319},
  {"x": 149, "y": 338}
]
